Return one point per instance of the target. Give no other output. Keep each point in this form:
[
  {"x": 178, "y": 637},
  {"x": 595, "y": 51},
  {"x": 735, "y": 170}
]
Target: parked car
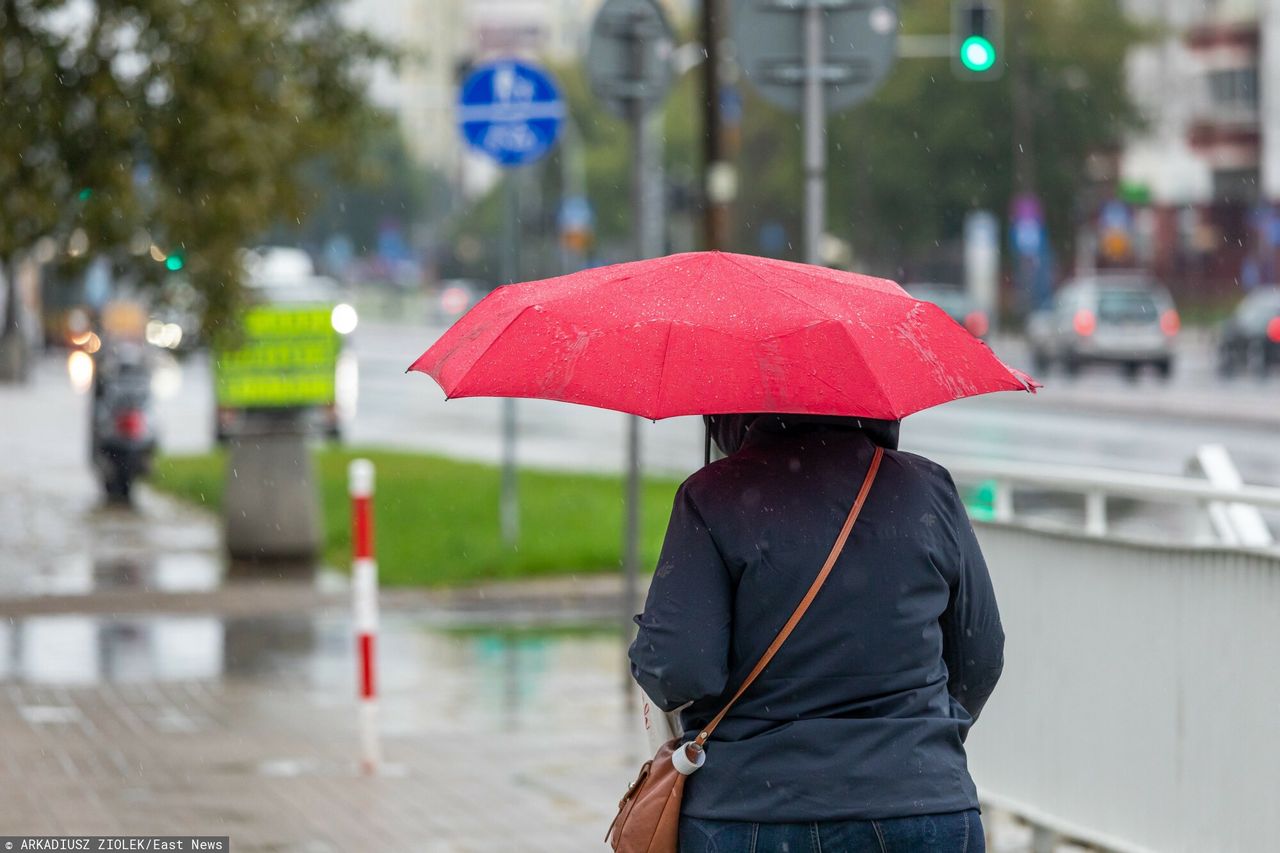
[
  {"x": 956, "y": 301},
  {"x": 456, "y": 297},
  {"x": 1250, "y": 338},
  {"x": 1123, "y": 319}
]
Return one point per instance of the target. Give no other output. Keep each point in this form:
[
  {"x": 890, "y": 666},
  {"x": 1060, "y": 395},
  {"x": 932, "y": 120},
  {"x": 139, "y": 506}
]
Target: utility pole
[
  {"x": 629, "y": 66},
  {"x": 1023, "y": 107},
  {"x": 715, "y": 211},
  {"x": 814, "y": 57},
  {"x": 814, "y": 115}
]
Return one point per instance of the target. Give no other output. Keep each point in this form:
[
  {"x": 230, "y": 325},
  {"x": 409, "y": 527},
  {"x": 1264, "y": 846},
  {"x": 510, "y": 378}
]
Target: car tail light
[
  {"x": 976, "y": 323},
  {"x": 1273, "y": 330},
  {"x": 454, "y": 300},
  {"x": 1085, "y": 323},
  {"x": 131, "y": 424},
  {"x": 1170, "y": 323}
]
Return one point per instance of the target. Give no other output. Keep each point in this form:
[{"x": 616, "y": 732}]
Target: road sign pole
[
  {"x": 511, "y": 111},
  {"x": 629, "y": 67},
  {"x": 509, "y": 498},
  {"x": 642, "y": 228},
  {"x": 811, "y": 57},
  {"x": 815, "y": 135}
]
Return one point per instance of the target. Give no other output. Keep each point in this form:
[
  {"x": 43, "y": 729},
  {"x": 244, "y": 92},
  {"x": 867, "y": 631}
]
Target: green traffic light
[
  {"x": 977, "y": 54},
  {"x": 173, "y": 263},
  {"x": 86, "y": 193}
]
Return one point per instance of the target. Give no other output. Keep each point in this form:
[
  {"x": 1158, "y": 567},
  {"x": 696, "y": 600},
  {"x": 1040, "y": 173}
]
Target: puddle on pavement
[
  {"x": 78, "y": 547},
  {"x": 431, "y": 679}
]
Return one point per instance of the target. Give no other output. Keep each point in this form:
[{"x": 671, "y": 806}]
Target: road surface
[{"x": 1098, "y": 420}]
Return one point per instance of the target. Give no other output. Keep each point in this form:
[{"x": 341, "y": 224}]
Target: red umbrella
[{"x": 716, "y": 333}]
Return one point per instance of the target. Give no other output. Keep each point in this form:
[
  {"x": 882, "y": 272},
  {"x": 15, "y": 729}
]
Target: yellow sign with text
[{"x": 287, "y": 359}]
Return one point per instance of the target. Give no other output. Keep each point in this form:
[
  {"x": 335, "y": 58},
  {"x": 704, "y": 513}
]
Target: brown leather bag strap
[{"x": 804, "y": 602}]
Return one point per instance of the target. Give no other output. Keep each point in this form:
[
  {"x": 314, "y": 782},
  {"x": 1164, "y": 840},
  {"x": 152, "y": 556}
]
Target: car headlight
[{"x": 344, "y": 318}]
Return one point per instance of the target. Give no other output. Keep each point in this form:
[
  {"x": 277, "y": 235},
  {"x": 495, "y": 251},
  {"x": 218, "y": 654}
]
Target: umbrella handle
[
  {"x": 685, "y": 765},
  {"x": 706, "y": 444}
]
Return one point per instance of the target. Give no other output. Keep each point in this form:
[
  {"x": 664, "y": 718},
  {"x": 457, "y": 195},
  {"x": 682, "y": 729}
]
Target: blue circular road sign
[{"x": 510, "y": 110}]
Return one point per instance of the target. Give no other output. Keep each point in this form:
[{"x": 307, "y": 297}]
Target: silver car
[{"x": 1122, "y": 319}]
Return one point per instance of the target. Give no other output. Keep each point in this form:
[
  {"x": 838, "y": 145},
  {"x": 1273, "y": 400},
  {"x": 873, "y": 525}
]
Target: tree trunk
[{"x": 14, "y": 352}]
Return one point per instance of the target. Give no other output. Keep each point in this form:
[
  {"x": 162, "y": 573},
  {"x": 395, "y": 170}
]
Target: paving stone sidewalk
[{"x": 493, "y": 741}]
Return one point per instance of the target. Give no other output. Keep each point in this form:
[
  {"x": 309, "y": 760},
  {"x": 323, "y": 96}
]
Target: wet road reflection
[
  {"x": 156, "y": 724},
  {"x": 74, "y": 650},
  {"x": 504, "y": 679}
]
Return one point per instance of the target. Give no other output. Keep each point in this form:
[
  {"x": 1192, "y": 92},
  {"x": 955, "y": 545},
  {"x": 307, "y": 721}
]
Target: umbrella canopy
[{"x": 716, "y": 333}]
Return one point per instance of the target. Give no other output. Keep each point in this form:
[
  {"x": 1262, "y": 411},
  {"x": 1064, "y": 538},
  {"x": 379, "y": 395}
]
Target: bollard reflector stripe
[
  {"x": 361, "y": 528},
  {"x": 366, "y": 667},
  {"x": 364, "y": 588}
]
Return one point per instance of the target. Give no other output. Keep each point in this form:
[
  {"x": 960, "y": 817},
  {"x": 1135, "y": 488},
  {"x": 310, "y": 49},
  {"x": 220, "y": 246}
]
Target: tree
[
  {"x": 908, "y": 164},
  {"x": 355, "y": 196},
  {"x": 930, "y": 147},
  {"x": 181, "y": 122}
]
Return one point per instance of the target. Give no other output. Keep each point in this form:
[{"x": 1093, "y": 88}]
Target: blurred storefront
[{"x": 1194, "y": 194}]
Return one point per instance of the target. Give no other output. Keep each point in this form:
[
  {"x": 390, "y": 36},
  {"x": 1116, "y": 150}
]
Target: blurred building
[
  {"x": 1196, "y": 191},
  {"x": 442, "y": 39}
]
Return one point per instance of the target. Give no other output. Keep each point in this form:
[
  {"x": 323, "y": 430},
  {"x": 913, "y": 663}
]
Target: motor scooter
[{"x": 123, "y": 439}]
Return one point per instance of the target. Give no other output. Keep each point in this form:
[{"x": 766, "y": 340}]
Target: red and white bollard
[{"x": 364, "y": 587}]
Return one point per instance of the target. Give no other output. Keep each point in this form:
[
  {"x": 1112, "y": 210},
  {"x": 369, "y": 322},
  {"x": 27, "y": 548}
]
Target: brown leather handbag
[{"x": 648, "y": 819}]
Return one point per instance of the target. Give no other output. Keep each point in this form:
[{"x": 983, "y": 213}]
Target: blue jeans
[{"x": 956, "y": 832}]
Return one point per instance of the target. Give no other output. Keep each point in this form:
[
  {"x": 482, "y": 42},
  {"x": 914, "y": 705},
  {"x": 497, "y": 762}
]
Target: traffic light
[
  {"x": 174, "y": 262},
  {"x": 977, "y": 39}
]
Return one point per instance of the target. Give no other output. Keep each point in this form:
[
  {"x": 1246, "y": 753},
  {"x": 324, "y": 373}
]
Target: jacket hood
[{"x": 729, "y": 432}]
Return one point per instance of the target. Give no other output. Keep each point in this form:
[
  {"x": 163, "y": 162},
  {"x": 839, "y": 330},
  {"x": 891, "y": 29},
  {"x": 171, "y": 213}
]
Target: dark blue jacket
[{"x": 864, "y": 711}]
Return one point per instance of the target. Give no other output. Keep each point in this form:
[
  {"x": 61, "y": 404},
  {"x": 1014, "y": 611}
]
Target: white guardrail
[
  {"x": 1139, "y": 708},
  {"x": 1229, "y": 504}
]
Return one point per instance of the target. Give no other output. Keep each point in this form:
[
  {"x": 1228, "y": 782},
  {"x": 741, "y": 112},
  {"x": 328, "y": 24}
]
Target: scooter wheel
[{"x": 119, "y": 487}]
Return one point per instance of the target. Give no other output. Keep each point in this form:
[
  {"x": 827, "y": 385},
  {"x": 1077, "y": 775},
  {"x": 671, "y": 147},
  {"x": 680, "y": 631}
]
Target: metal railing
[
  {"x": 1097, "y": 485},
  {"x": 1137, "y": 707}
]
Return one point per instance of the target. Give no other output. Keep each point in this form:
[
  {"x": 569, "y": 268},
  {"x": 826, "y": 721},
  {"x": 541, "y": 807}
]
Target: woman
[{"x": 852, "y": 738}]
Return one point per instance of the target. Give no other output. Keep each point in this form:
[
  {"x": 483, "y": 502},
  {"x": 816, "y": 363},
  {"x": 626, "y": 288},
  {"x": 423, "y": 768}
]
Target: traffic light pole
[{"x": 815, "y": 136}]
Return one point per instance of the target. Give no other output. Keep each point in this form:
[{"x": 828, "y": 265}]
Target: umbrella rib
[
  {"x": 475, "y": 361},
  {"x": 773, "y": 287},
  {"x": 888, "y": 404},
  {"x": 786, "y": 272},
  {"x": 666, "y": 346}
]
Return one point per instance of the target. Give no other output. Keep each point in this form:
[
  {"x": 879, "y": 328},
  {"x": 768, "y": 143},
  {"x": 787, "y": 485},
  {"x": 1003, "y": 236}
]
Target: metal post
[
  {"x": 1095, "y": 513},
  {"x": 1026, "y": 268},
  {"x": 815, "y": 135},
  {"x": 642, "y": 224},
  {"x": 715, "y": 221},
  {"x": 1002, "y": 508},
  {"x": 509, "y": 499}
]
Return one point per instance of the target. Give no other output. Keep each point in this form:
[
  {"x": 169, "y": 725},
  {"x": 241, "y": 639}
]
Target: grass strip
[{"x": 436, "y": 519}]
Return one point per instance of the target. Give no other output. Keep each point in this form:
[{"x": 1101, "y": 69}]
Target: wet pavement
[
  {"x": 143, "y": 691},
  {"x": 492, "y": 740},
  {"x": 57, "y": 534}
]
